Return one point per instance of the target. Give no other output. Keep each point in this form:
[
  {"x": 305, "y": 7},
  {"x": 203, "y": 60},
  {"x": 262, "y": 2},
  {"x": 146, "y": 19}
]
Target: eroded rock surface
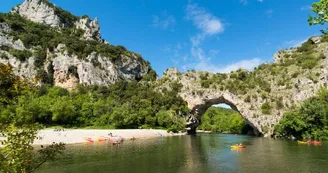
[{"x": 286, "y": 86}]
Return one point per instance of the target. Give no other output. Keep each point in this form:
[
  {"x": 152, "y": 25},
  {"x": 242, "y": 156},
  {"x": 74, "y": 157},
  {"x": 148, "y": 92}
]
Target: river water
[{"x": 192, "y": 154}]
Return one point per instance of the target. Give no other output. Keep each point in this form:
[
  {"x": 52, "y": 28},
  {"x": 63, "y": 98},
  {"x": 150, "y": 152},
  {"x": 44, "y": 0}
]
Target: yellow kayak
[
  {"x": 302, "y": 142},
  {"x": 237, "y": 146}
]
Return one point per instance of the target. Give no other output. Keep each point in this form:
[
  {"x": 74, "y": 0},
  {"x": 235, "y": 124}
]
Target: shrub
[
  {"x": 248, "y": 99},
  {"x": 295, "y": 74},
  {"x": 21, "y": 55},
  {"x": 3, "y": 56},
  {"x": 264, "y": 95},
  {"x": 205, "y": 83},
  {"x": 204, "y": 76},
  {"x": 233, "y": 75},
  {"x": 279, "y": 103},
  {"x": 306, "y": 47},
  {"x": 306, "y": 60},
  {"x": 40, "y": 57},
  {"x": 266, "y": 108}
]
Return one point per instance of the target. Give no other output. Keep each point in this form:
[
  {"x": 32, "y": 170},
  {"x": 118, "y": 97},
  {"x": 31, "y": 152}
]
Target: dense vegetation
[
  {"x": 310, "y": 121},
  {"x": 221, "y": 120},
  {"x": 122, "y": 105},
  {"x": 17, "y": 154}
]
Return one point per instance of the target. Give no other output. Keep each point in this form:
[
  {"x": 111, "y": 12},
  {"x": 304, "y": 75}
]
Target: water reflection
[{"x": 201, "y": 153}]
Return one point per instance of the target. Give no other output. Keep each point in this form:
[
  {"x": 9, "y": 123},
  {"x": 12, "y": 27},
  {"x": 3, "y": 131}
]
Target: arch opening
[
  {"x": 221, "y": 118},
  {"x": 200, "y": 110}
]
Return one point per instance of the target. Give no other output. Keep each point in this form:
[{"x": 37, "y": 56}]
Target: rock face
[
  {"x": 67, "y": 69},
  {"x": 105, "y": 72},
  {"x": 42, "y": 11},
  {"x": 90, "y": 27},
  {"x": 38, "y": 11},
  {"x": 286, "y": 86}
]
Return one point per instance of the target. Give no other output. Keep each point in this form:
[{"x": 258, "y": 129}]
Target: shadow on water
[{"x": 200, "y": 153}]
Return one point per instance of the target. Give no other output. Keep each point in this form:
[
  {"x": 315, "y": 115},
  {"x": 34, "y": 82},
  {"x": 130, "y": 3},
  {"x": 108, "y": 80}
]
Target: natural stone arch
[
  {"x": 262, "y": 95},
  {"x": 200, "y": 98},
  {"x": 199, "y": 106}
]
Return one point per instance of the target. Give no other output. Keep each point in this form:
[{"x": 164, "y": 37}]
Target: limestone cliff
[
  {"x": 47, "y": 44},
  {"x": 44, "y": 12},
  {"x": 264, "y": 94}
]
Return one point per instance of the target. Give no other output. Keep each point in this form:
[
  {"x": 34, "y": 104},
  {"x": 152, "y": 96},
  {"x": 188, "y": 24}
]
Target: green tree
[
  {"x": 320, "y": 17},
  {"x": 310, "y": 121},
  {"x": 18, "y": 126},
  {"x": 222, "y": 120},
  {"x": 266, "y": 108}
]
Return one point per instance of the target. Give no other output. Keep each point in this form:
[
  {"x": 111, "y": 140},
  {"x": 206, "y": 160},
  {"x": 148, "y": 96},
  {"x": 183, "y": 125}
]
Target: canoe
[
  {"x": 302, "y": 142},
  {"x": 237, "y": 146}
]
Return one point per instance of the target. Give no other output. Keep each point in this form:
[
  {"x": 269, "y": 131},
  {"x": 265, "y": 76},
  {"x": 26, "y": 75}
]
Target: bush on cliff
[{"x": 308, "y": 122}]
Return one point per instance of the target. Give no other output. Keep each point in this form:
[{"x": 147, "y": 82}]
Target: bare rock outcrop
[
  {"x": 60, "y": 66},
  {"x": 44, "y": 12}
]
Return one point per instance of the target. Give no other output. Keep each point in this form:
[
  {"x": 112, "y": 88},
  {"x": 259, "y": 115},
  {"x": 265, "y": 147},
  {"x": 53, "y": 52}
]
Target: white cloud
[
  {"x": 196, "y": 40},
  {"x": 269, "y": 12},
  {"x": 214, "y": 52},
  {"x": 294, "y": 43},
  {"x": 205, "y": 65},
  {"x": 209, "y": 25},
  {"x": 244, "y": 64},
  {"x": 166, "y": 48},
  {"x": 203, "y": 20},
  {"x": 306, "y": 8},
  {"x": 164, "y": 21},
  {"x": 244, "y": 2}
]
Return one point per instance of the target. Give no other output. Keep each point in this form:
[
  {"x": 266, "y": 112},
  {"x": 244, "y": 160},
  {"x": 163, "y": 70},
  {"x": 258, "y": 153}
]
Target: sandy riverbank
[{"x": 48, "y": 136}]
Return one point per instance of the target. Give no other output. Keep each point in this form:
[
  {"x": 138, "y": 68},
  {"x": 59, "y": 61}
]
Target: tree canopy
[
  {"x": 320, "y": 10},
  {"x": 308, "y": 122}
]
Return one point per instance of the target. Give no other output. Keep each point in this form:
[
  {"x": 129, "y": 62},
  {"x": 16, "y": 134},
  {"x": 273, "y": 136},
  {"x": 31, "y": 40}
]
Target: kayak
[
  {"x": 237, "y": 146},
  {"x": 89, "y": 140},
  {"x": 309, "y": 142},
  {"x": 102, "y": 140},
  {"x": 302, "y": 142},
  {"x": 315, "y": 142}
]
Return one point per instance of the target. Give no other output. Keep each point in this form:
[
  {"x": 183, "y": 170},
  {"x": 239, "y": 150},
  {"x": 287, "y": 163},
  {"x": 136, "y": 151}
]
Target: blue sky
[{"x": 211, "y": 35}]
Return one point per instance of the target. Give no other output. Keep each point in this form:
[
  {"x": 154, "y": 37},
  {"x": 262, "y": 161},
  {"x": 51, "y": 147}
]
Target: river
[{"x": 192, "y": 154}]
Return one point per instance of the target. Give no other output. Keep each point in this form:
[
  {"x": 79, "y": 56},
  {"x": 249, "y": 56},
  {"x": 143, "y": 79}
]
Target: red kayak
[
  {"x": 315, "y": 142},
  {"x": 90, "y": 140}
]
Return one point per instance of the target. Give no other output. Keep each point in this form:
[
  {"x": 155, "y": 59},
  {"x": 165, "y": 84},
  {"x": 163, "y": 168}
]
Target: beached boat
[{"x": 89, "y": 140}]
